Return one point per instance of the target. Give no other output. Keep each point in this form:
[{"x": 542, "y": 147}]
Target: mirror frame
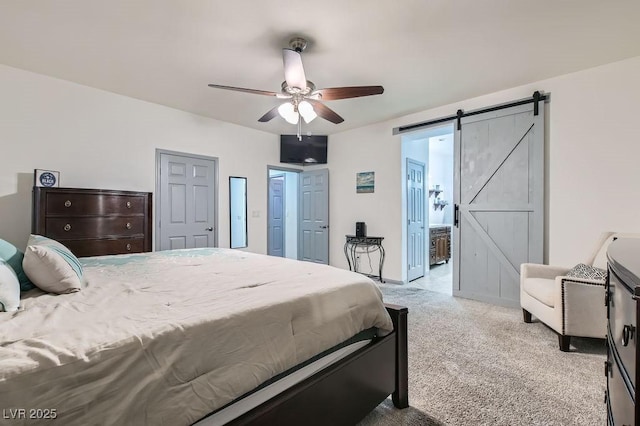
[{"x": 246, "y": 228}]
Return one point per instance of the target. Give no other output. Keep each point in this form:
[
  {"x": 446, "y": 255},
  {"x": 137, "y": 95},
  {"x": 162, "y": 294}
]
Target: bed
[
  {"x": 170, "y": 337},
  {"x": 201, "y": 336}
]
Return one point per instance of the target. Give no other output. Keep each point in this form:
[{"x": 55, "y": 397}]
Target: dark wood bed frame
[
  {"x": 341, "y": 394},
  {"x": 348, "y": 390}
]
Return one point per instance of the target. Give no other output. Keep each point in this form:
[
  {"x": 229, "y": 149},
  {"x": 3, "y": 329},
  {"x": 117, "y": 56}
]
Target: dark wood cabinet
[
  {"x": 623, "y": 311},
  {"x": 439, "y": 244},
  {"x": 94, "y": 222}
]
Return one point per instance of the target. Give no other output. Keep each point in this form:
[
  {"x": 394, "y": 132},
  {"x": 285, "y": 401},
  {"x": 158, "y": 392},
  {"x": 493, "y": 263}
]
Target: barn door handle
[
  {"x": 456, "y": 215},
  {"x": 627, "y": 334},
  {"x": 208, "y": 229}
]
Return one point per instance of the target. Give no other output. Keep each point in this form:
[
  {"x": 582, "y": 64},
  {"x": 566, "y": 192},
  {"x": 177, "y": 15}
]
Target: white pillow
[
  {"x": 51, "y": 266},
  {"x": 9, "y": 288}
]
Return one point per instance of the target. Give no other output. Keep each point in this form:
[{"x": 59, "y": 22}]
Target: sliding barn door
[{"x": 500, "y": 202}]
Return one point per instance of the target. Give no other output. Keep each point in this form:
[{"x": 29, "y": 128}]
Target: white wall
[
  {"x": 593, "y": 147},
  {"x": 441, "y": 173},
  {"x": 98, "y": 139}
]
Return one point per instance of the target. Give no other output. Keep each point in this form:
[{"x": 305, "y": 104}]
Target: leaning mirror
[{"x": 238, "y": 211}]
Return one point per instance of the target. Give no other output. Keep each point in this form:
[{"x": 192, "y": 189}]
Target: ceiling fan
[{"x": 303, "y": 99}]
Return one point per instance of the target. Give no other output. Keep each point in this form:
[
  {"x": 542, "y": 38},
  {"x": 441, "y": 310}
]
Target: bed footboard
[
  {"x": 398, "y": 315},
  {"x": 348, "y": 390}
]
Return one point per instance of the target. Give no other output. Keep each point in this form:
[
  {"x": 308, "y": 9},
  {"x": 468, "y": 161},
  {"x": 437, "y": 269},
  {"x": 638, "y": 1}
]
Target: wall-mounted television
[{"x": 310, "y": 150}]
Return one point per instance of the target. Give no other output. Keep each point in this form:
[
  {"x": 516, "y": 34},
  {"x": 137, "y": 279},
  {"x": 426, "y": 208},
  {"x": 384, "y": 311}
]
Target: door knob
[
  {"x": 209, "y": 229},
  {"x": 324, "y": 227}
]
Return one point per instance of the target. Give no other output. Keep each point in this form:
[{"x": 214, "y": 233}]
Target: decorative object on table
[
  {"x": 46, "y": 178},
  {"x": 365, "y": 182},
  {"x": 361, "y": 229}
]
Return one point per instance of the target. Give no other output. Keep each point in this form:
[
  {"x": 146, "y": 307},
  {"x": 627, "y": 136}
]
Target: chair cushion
[{"x": 540, "y": 289}]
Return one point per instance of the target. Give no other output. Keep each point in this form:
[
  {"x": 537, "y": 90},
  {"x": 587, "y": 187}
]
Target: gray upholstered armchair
[{"x": 570, "y": 306}]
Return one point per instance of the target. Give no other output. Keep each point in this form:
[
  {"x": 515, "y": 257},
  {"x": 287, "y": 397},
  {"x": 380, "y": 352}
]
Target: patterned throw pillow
[{"x": 588, "y": 272}]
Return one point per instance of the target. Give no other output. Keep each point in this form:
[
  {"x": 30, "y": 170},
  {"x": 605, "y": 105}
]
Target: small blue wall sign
[{"x": 46, "y": 178}]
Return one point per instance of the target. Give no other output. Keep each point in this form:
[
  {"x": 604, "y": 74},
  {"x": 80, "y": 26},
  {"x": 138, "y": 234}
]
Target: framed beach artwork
[{"x": 365, "y": 182}]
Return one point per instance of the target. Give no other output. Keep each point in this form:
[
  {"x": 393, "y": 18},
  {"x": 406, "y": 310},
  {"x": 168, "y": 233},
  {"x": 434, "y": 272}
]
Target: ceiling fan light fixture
[
  {"x": 306, "y": 111},
  {"x": 288, "y": 112}
]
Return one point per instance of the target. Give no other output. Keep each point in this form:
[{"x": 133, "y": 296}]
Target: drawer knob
[
  {"x": 67, "y": 227},
  {"x": 128, "y": 247},
  {"x": 128, "y": 204},
  {"x": 627, "y": 334},
  {"x": 128, "y": 225},
  {"x": 67, "y": 203}
]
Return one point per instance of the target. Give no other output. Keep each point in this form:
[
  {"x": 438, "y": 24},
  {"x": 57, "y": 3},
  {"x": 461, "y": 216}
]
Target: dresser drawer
[
  {"x": 622, "y": 324},
  {"x": 69, "y": 228},
  {"x": 77, "y": 204},
  {"x": 83, "y": 248},
  {"x": 621, "y": 406}
]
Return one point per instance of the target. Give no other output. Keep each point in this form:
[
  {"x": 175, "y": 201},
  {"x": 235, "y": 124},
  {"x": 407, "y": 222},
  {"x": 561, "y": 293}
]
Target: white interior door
[
  {"x": 313, "y": 245},
  {"x": 500, "y": 201},
  {"x": 187, "y": 202},
  {"x": 415, "y": 220},
  {"x": 276, "y": 216}
]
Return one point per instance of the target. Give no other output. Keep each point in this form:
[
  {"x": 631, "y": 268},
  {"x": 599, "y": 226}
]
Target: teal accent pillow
[
  {"x": 9, "y": 288},
  {"x": 51, "y": 266},
  {"x": 13, "y": 257}
]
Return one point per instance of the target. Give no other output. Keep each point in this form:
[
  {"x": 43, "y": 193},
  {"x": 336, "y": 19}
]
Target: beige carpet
[{"x": 471, "y": 363}]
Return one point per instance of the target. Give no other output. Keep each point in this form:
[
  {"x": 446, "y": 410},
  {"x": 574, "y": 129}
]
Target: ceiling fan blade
[
  {"x": 325, "y": 112},
  {"x": 293, "y": 69},
  {"x": 335, "y": 93},
  {"x": 269, "y": 115},
  {"x": 242, "y": 89}
]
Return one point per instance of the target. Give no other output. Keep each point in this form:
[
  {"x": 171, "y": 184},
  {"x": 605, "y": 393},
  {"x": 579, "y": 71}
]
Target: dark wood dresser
[
  {"x": 623, "y": 311},
  {"x": 94, "y": 222}
]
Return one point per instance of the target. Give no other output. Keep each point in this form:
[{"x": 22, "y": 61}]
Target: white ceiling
[{"x": 424, "y": 52}]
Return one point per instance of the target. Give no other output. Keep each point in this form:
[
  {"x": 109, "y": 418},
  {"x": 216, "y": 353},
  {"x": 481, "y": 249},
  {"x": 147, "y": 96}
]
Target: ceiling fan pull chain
[{"x": 299, "y": 129}]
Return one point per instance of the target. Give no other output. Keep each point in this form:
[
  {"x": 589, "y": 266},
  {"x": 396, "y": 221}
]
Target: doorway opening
[
  {"x": 428, "y": 194},
  {"x": 282, "y": 212}
]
